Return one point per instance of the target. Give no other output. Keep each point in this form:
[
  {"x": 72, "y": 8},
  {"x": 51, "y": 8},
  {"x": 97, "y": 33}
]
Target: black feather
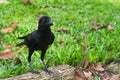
[
  {"x": 20, "y": 44},
  {"x": 39, "y": 39}
]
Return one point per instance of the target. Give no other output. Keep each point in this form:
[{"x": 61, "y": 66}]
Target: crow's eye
[
  {"x": 46, "y": 20},
  {"x": 43, "y": 21}
]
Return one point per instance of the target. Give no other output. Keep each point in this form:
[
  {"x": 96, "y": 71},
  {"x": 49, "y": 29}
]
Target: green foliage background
[{"x": 73, "y": 14}]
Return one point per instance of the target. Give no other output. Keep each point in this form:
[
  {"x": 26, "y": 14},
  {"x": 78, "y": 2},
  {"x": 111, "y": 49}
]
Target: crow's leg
[
  {"x": 29, "y": 60},
  {"x": 45, "y": 67}
]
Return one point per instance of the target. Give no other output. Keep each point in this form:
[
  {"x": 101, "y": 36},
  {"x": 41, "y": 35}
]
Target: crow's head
[{"x": 45, "y": 22}]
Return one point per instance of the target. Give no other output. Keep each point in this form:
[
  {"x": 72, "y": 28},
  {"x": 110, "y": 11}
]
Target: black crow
[{"x": 39, "y": 39}]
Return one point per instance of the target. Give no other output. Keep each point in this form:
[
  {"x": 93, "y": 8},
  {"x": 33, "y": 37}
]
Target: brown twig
[
  {"x": 85, "y": 50},
  {"x": 19, "y": 50}
]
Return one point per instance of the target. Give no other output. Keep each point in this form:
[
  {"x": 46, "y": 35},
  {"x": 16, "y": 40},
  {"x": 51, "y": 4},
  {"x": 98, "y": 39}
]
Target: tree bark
[{"x": 62, "y": 72}]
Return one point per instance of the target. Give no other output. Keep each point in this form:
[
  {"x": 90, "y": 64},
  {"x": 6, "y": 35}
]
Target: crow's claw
[
  {"x": 34, "y": 72},
  {"x": 47, "y": 71}
]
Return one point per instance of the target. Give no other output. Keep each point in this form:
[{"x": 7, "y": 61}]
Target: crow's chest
[{"x": 43, "y": 42}]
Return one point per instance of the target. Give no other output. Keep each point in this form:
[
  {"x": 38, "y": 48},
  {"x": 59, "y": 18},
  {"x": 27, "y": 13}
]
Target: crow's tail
[
  {"x": 22, "y": 43},
  {"x": 22, "y": 37}
]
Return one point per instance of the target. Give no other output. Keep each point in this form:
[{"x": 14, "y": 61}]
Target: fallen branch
[{"x": 63, "y": 72}]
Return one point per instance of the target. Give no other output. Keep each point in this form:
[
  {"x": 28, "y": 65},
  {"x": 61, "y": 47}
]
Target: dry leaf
[
  {"x": 88, "y": 75},
  {"x": 61, "y": 43},
  {"x": 89, "y": 72},
  {"x": 78, "y": 75},
  {"x": 99, "y": 67},
  {"x": 6, "y": 50},
  {"x": 115, "y": 77},
  {"x": 62, "y": 29},
  {"x": 7, "y": 46},
  {"x": 94, "y": 27},
  {"x": 97, "y": 21},
  {"x": 28, "y": 1},
  {"x": 92, "y": 66},
  {"x": 25, "y": 1},
  {"x": 106, "y": 76},
  {"x": 115, "y": 68},
  {"x": 7, "y": 54},
  {"x": 87, "y": 63},
  {"x": 110, "y": 26},
  {"x": 10, "y": 28}
]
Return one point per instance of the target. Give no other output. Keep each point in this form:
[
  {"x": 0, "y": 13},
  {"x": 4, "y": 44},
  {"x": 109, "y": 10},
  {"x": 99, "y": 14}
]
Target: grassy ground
[{"x": 73, "y": 14}]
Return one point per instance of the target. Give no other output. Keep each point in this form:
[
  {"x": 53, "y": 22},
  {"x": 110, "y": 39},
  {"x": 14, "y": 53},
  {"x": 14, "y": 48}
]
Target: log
[{"x": 62, "y": 72}]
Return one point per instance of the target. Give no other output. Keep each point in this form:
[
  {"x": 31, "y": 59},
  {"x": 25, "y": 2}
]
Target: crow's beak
[{"x": 50, "y": 23}]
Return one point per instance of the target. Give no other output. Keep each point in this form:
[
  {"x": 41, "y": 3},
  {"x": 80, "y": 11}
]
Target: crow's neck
[{"x": 41, "y": 30}]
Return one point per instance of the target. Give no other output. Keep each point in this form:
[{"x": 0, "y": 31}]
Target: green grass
[{"x": 73, "y": 14}]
